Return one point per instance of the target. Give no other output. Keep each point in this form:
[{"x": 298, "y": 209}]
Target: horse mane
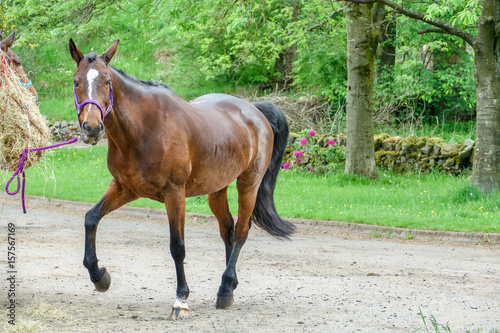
[{"x": 148, "y": 84}]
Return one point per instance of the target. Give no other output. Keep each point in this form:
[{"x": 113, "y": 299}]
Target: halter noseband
[
  {"x": 26, "y": 85},
  {"x": 93, "y": 101}
]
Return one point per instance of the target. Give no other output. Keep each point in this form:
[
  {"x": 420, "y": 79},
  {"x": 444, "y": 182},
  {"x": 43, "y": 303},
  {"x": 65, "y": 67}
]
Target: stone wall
[
  {"x": 423, "y": 154},
  {"x": 410, "y": 153},
  {"x": 63, "y": 130}
]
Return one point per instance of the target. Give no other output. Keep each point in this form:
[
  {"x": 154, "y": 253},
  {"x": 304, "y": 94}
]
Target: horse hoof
[
  {"x": 103, "y": 284},
  {"x": 223, "y": 302},
  {"x": 179, "y": 314}
]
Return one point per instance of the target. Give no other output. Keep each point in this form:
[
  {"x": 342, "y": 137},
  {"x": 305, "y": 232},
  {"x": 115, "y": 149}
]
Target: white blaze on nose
[{"x": 91, "y": 75}]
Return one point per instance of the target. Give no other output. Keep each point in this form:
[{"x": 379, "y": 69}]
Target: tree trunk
[
  {"x": 486, "y": 166},
  {"x": 285, "y": 60},
  {"x": 361, "y": 52}
]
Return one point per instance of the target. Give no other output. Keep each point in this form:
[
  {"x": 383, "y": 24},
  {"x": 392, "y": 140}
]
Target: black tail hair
[{"x": 264, "y": 213}]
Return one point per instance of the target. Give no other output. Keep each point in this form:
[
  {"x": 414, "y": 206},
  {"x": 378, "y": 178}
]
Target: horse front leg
[
  {"x": 175, "y": 203},
  {"x": 115, "y": 196}
]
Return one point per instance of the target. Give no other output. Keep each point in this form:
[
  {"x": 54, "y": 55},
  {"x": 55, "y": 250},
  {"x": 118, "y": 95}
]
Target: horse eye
[
  {"x": 108, "y": 82},
  {"x": 75, "y": 83}
]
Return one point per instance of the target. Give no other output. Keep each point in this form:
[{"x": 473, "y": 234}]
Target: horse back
[{"x": 229, "y": 136}]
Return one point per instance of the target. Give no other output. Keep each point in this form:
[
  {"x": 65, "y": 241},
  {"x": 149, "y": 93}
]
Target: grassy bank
[{"x": 427, "y": 201}]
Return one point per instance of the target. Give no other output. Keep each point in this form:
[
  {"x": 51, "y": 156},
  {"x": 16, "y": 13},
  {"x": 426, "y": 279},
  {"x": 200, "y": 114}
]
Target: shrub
[{"x": 316, "y": 153}]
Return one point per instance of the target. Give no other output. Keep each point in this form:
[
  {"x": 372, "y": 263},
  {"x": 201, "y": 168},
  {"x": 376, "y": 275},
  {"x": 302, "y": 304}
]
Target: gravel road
[{"x": 326, "y": 279}]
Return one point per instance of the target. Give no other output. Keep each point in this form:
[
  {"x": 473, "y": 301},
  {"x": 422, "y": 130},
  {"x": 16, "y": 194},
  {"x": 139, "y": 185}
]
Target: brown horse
[
  {"x": 14, "y": 61},
  {"x": 166, "y": 149}
]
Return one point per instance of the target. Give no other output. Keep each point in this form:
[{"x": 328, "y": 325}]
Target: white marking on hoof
[
  {"x": 180, "y": 310},
  {"x": 180, "y": 304}
]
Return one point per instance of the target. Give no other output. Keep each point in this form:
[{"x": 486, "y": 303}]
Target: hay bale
[{"x": 21, "y": 124}]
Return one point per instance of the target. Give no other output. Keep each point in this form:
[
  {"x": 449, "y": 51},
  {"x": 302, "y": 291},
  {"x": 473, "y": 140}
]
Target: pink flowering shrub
[{"x": 313, "y": 153}]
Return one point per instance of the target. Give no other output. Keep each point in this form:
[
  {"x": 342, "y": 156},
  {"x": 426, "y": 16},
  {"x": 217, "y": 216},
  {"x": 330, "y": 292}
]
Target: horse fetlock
[
  {"x": 229, "y": 280},
  {"x": 182, "y": 293},
  {"x": 90, "y": 263}
]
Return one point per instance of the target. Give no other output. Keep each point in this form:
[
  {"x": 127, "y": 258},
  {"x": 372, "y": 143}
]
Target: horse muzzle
[{"x": 92, "y": 135}]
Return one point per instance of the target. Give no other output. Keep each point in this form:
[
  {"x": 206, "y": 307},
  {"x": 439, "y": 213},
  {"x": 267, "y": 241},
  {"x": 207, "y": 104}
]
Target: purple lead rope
[
  {"x": 24, "y": 154},
  {"x": 20, "y": 169}
]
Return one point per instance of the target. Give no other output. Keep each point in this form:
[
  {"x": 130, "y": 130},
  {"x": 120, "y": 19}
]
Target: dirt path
[{"x": 324, "y": 280}]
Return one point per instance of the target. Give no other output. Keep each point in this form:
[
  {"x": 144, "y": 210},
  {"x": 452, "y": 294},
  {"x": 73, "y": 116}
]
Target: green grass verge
[{"x": 427, "y": 201}]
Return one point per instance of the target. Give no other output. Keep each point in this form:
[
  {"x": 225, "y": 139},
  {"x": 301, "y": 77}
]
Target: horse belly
[
  {"x": 212, "y": 176},
  {"x": 208, "y": 184}
]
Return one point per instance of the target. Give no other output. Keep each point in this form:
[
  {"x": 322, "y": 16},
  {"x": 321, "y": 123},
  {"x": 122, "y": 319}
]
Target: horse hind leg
[
  {"x": 246, "y": 203},
  {"x": 114, "y": 197},
  {"x": 220, "y": 207}
]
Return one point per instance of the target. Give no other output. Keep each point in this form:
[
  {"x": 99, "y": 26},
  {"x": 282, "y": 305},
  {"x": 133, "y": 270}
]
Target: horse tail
[{"x": 264, "y": 213}]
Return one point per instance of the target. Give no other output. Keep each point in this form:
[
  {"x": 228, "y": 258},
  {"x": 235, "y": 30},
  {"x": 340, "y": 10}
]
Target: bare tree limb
[{"x": 444, "y": 26}]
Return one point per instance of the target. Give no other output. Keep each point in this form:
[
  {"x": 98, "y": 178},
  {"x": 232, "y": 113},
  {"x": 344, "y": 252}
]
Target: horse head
[
  {"x": 14, "y": 61},
  {"x": 93, "y": 90}
]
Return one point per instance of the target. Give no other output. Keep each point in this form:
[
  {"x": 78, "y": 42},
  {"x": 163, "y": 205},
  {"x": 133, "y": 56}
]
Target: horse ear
[
  {"x": 75, "y": 52},
  {"x": 7, "y": 42},
  {"x": 1, "y": 35},
  {"x": 108, "y": 55}
]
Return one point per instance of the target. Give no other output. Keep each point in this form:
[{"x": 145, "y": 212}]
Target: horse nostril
[
  {"x": 101, "y": 126},
  {"x": 86, "y": 126}
]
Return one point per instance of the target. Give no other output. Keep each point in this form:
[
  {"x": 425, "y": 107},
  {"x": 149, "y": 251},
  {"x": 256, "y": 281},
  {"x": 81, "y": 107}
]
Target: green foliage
[
  {"x": 318, "y": 154},
  {"x": 432, "y": 77},
  {"x": 238, "y": 42},
  {"x": 321, "y": 55},
  {"x": 215, "y": 45}
]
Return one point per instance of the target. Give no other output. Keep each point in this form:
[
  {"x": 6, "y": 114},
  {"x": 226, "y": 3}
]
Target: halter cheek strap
[
  {"x": 79, "y": 106},
  {"x": 26, "y": 85}
]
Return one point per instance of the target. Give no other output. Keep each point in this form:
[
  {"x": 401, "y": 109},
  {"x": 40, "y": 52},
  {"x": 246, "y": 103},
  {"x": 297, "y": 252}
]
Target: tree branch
[
  {"x": 429, "y": 30},
  {"x": 442, "y": 25},
  {"x": 311, "y": 28}
]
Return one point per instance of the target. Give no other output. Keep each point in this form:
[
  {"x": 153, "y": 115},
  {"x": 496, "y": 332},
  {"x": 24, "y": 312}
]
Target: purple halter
[{"x": 93, "y": 101}]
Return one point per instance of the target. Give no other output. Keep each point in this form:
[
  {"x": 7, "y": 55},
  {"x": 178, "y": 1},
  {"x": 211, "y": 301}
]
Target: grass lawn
[{"x": 426, "y": 201}]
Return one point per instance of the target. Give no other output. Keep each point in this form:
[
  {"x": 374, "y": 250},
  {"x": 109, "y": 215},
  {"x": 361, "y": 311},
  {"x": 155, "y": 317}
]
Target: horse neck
[
  {"x": 119, "y": 123},
  {"x": 123, "y": 122}
]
